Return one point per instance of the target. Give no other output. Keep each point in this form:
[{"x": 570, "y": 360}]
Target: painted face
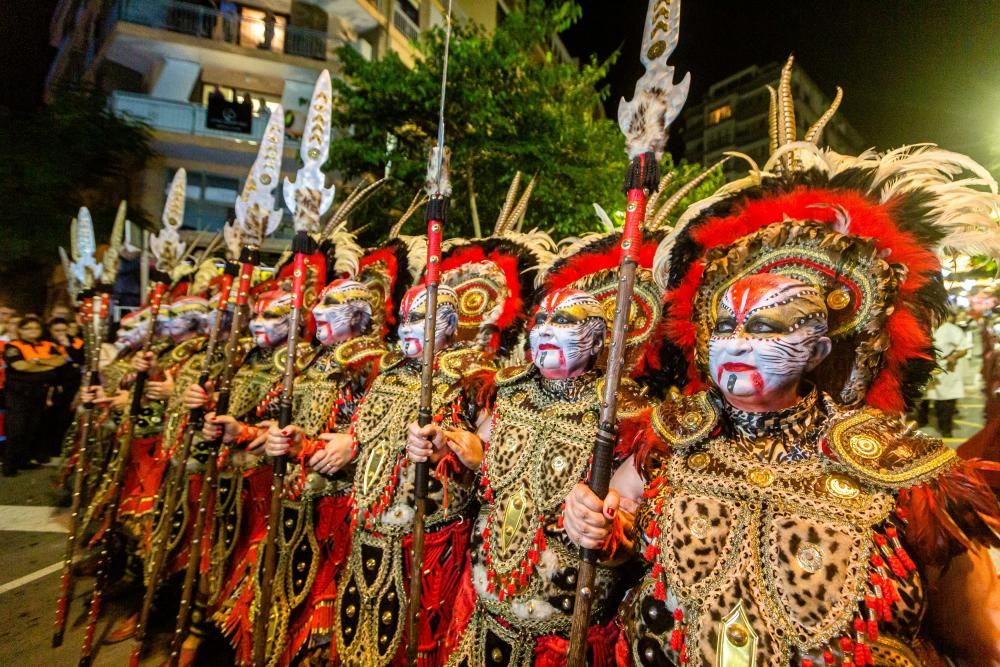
[
  {"x": 187, "y": 316},
  {"x": 412, "y": 313},
  {"x": 133, "y": 330},
  {"x": 769, "y": 331},
  {"x": 269, "y": 327},
  {"x": 567, "y": 334},
  {"x": 344, "y": 311}
]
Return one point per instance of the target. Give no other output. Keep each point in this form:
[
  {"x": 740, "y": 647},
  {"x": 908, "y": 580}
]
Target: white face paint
[
  {"x": 270, "y": 324},
  {"x": 412, "y": 316},
  {"x": 769, "y": 331},
  {"x": 567, "y": 335},
  {"x": 343, "y": 312},
  {"x": 132, "y": 333}
]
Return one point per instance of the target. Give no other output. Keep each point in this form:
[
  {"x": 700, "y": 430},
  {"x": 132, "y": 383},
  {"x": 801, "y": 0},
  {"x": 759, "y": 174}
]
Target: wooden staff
[
  {"x": 159, "y": 288},
  {"x": 249, "y": 258},
  {"x": 93, "y": 311},
  {"x": 303, "y": 245},
  {"x": 644, "y": 121},
  {"x": 172, "y": 490},
  {"x": 436, "y": 216}
]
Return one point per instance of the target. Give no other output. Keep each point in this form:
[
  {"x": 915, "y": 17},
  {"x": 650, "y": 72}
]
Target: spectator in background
[
  {"x": 10, "y": 328},
  {"x": 69, "y": 377},
  {"x": 948, "y": 382},
  {"x": 269, "y": 22},
  {"x": 230, "y": 19},
  {"x": 6, "y": 312},
  {"x": 31, "y": 366}
]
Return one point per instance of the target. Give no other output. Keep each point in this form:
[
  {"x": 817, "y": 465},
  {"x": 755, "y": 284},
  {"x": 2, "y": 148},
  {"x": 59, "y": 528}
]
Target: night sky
[{"x": 912, "y": 70}]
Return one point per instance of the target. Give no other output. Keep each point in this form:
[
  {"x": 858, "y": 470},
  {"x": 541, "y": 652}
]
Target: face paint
[
  {"x": 269, "y": 327},
  {"x": 133, "y": 330},
  {"x": 769, "y": 331},
  {"x": 567, "y": 335},
  {"x": 412, "y": 314},
  {"x": 344, "y": 311}
]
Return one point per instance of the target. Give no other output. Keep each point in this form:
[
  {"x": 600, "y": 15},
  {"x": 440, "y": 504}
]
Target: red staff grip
[
  {"x": 435, "y": 230},
  {"x": 243, "y": 290},
  {"x": 635, "y": 215},
  {"x": 224, "y": 288},
  {"x": 299, "y": 280}
]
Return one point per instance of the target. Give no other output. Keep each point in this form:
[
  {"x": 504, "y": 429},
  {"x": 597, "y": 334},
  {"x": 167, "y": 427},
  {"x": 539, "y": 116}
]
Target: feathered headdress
[{"x": 864, "y": 230}]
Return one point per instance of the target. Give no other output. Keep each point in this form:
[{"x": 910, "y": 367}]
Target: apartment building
[
  {"x": 205, "y": 74},
  {"x": 734, "y": 117}
]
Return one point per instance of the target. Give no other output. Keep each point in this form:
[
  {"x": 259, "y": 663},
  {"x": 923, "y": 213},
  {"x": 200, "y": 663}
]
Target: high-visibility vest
[{"x": 43, "y": 349}]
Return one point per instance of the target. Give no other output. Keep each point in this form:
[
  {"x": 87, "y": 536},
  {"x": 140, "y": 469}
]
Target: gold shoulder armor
[
  {"x": 457, "y": 364},
  {"x": 182, "y": 351},
  {"x": 391, "y": 359},
  {"x": 359, "y": 350},
  {"x": 304, "y": 354},
  {"x": 631, "y": 398},
  {"x": 881, "y": 450},
  {"x": 685, "y": 421},
  {"x": 512, "y": 374}
]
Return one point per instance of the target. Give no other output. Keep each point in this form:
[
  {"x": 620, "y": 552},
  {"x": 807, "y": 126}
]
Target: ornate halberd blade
[
  {"x": 173, "y": 210},
  {"x": 256, "y": 215},
  {"x": 645, "y": 118},
  {"x": 307, "y": 197}
]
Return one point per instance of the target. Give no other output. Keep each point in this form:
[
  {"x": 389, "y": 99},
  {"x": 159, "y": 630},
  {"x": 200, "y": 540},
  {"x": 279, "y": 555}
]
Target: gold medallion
[
  {"x": 699, "y": 527},
  {"x": 838, "y": 299},
  {"x": 810, "y": 557},
  {"x": 865, "y": 446},
  {"x": 841, "y": 487},
  {"x": 699, "y": 461},
  {"x": 760, "y": 477}
]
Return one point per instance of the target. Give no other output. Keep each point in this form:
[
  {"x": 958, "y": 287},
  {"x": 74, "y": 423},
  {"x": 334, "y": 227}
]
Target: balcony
[
  {"x": 180, "y": 117},
  {"x": 245, "y": 31},
  {"x": 405, "y": 24}
]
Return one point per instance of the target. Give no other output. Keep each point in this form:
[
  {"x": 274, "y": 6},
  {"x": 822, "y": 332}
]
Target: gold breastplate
[
  {"x": 383, "y": 479},
  {"x": 255, "y": 377}
]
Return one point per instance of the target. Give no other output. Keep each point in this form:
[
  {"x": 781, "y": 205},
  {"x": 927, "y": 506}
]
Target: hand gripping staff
[
  {"x": 173, "y": 486},
  {"x": 167, "y": 249},
  {"x": 644, "y": 120},
  {"x": 438, "y": 187},
  {"x": 256, "y": 218},
  {"x": 308, "y": 198},
  {"x": 91, "y": 282}
]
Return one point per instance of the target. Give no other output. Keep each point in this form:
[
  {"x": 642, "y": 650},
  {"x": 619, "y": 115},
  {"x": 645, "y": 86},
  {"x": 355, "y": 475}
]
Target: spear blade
[{"x": 645, "y": 119}]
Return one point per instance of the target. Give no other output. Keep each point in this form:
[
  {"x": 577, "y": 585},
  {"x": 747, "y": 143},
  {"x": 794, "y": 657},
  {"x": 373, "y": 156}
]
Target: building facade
[
  {"x": 734, "y": 117},
  {"x": 205, "y": 74}
]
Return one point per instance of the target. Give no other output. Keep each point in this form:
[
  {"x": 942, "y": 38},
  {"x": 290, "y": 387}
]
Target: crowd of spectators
[{"x": 39, "y": 379}]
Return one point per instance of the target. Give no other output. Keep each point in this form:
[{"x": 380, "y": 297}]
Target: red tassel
[
  {"x": 806, "y": 662},
  {"x": 828, "y": 658},
  {"x": 660, "y": 592}
]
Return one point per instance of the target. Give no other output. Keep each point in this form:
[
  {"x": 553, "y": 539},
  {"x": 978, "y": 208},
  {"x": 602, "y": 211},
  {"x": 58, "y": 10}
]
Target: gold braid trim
[{"x": 686, "y": 421}]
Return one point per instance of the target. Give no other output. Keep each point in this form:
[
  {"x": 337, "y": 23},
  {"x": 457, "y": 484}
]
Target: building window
[
  {"x": 262, "y": 30},
  {"x": 236, "y": 95},
  {"x": 208, "y": 201},
  {"x": 719, "y": 114}
]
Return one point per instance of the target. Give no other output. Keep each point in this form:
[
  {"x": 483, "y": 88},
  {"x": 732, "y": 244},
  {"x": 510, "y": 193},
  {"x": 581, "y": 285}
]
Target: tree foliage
[
  {"x": 511, "y": 105},
  {"x": 74, "y": 152}
]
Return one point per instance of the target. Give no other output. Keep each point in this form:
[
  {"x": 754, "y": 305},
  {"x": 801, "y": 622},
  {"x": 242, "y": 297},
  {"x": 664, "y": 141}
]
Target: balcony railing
[
  {"x": 181, "y": 117},
  {"x": 207, "y": 23},
  {"x": 405, "y": 24}
]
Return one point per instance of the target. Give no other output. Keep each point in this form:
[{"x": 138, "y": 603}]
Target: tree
[
  {"x": 74, "y": 152},
  {"x": 510, "y": 106}
]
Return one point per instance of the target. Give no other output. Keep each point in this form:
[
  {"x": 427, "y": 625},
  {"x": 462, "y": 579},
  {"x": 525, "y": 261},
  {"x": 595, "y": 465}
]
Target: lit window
[
  {"x": 719, "y": 114},
  {"x": 256, "y": 26}
]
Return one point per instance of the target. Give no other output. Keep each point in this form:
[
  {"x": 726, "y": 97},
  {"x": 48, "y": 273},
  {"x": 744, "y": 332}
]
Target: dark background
[{"x": 912, "y": 71}]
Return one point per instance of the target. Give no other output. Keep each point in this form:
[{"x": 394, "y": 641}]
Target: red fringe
[
  {"x": 445, "y": 560},
  {"x": 550, "y": 650},
  {"x": 946, "y": 515},
  {"x": 464, "y": 605},
  {"x": 985, "y": 445}
]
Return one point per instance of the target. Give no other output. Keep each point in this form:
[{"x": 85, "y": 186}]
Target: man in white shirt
[{"x": 948, "y": 382}]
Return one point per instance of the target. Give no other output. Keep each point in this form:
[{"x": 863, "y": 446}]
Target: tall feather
[
  {"x": 418, "y": 200},
  {"x": 353, "y": 201},
  {"x": 682, "y": 192},
  {"x": 517, "y": 215},
  {"x": 508, "y": 204},
  {"x": 814, "y": 132},
  {"x": 307, "y": 197}
]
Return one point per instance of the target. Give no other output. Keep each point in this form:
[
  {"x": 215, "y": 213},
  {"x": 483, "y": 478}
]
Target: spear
[
  {"x": 172, "y": 488},
  {"x": 83, "y": 275},
  {"x": 644, "y": 121},
  {"x": 438, "y": 188},
  {"x": 256, "y": 218},
  {"x": 308, "y": 198},
  {"x": 168, "y": 249}
]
